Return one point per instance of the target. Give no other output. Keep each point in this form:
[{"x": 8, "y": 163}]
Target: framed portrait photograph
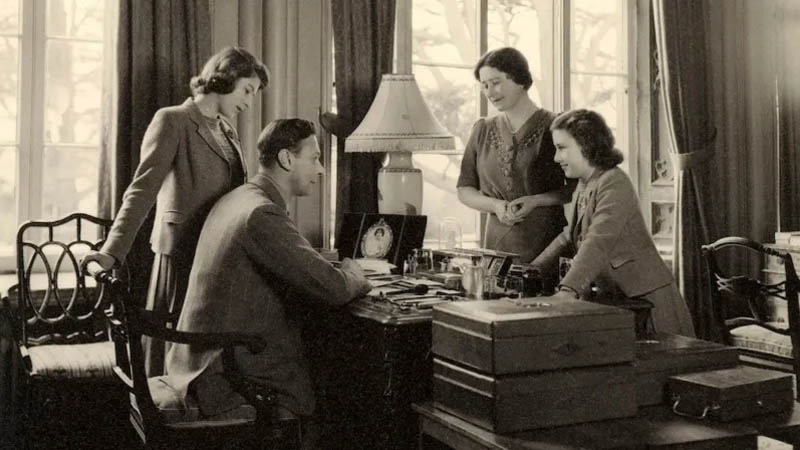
[{"x": 380, "y": 236}]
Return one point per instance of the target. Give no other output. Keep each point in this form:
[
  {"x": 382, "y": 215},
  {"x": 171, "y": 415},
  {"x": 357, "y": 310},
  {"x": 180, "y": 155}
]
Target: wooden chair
[
  {"x": 260, "y": 423},
  {"x": 742, "y": 305},
  {"x": 62, "y": 333}
]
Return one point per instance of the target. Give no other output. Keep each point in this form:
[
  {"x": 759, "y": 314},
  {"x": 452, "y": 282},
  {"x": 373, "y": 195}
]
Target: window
[
  {"x": 51, "y": 85},
  {"x": 581, "y": 64}
]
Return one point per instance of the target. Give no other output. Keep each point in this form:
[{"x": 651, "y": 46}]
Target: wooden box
[
  {"x": 674, "y": 355},
  {"x": 499, "y": 337},
  {"x": 534, "y": 400},
  {"x": 732, "y": 394}
]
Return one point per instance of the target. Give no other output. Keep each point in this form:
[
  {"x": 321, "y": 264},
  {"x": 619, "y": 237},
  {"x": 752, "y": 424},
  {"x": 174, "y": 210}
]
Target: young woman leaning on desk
[{"x": 607, "y": 234}]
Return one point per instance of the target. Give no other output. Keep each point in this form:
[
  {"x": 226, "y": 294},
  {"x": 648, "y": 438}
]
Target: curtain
[
  {"x": 788, "y": 90},
  {"x": 161, "y": 44},
  {"x": 363, "y": 49},
  {"x": 680, "y": 30}
]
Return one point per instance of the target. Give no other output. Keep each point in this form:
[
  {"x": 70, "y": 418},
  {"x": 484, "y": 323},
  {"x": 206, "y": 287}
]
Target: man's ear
[{"x": 285, "y": 159}]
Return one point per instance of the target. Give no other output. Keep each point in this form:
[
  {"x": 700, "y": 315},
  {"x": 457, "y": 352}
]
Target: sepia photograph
[{"x": 399, "y": 224}]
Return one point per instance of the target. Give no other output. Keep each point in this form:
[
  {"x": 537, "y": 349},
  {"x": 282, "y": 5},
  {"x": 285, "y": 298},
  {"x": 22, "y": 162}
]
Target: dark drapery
[
  {"x": 680, "y": 36},
  {"x": 789, "y": 121},
  {"x": 363, "y": 48},
  {"x": 161, "y": 44}
]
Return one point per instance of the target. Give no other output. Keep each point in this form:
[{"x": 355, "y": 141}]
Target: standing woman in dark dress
[
  {"x": 190, "y": 157},
  {"x": 508, "y": 169}
]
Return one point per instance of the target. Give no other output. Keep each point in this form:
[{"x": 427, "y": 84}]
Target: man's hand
[
  {"x": 105, "y": 260},
  {"x": 351, "y": 266}
]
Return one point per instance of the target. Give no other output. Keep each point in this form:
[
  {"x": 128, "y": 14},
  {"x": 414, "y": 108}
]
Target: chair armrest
[
  {"x": 154, "y": 324},
  {"x": 154, "y": 328}
]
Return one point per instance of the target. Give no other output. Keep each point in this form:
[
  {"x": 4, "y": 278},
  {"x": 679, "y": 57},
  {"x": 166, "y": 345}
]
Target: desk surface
[{"x": 655, "y": 427}]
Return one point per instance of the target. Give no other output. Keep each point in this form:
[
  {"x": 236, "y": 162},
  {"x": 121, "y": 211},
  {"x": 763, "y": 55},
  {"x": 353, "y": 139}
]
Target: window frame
[{"x": 30, "y": 128}]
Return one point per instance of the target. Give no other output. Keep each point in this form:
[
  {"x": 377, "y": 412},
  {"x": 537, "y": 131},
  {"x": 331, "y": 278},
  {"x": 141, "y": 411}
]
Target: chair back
[
  {"x": 55, "y": 302},
  {"x": 742, "y": 304}
]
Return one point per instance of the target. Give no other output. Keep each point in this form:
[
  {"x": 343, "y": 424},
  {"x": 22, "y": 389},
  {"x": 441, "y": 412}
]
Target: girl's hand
[{"x": 105, "y": 260}]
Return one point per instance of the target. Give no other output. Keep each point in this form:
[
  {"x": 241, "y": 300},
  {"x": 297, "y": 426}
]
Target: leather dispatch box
[
  {"x": 535, "y": 399},
  {"x": 732, "y": 394},
  {"x": 673, "y": 355},
  {"x": 499, "y": 337}
]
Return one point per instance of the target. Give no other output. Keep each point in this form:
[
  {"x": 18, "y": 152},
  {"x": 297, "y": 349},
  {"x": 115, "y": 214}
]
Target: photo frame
[{"x": 381, "y": 236}]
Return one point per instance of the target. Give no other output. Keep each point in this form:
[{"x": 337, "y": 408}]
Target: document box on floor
[
  {"x": 732, "y": 394},
  {"x": 536, "y": 399},
  {"x": 670, "y": 355},
  {"x": 500, "y": 337}
]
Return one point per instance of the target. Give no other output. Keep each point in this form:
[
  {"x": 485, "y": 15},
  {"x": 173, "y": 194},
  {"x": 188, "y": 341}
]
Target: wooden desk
[{"x": 655, "y": 427}]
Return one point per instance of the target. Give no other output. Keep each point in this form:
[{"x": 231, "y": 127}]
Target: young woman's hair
[
  {"x": 225, "y": 68},
  {"x": 280, "y": 134},
  {"x": 590, "y": 131},
  {"x": 509, "y": 61}
]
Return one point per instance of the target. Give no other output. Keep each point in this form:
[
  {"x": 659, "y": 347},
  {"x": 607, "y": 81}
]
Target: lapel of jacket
[
  {"x": 590, "y": 194},
  {"x": 202, "y": 129},
  {"x": 236, "y": 143}
]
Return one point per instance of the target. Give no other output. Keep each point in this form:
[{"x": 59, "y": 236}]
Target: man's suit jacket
[
  {"x": 610, "y": 240},
  {"x": 252, "y": 271},
  {"x": 182, "y": 169}
]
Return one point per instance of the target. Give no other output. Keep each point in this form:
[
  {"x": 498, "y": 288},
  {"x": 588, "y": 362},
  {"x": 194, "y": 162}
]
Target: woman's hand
[
  {"x": 105, "y": 260},
  {"x": 519, "y": 209},
  {"x": 501, "y": 211}
]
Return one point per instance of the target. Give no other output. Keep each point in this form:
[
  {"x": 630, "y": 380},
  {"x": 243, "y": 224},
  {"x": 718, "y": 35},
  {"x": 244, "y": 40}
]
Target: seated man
[{"x": 253, "y": 272}]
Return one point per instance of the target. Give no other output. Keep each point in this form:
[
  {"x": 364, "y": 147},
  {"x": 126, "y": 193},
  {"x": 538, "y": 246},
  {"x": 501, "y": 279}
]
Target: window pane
[
  {"x": 528, "y": 27},
  {"x": 445, "y": 31},
  {"x": 71, "y": 181},
  {"x": 451, "y": 95},
  {"x": 9, "y": 16},
  {"x": 73, "y": 92},
  {"x": 607, "y": 95},
  {"x": 9, "y": 84},
  {"x": 75, "y": 18},
  {"x": 440, "y": 199},
  {"x": 8, "y": 184},
  {"x": 597, "y": 36}
]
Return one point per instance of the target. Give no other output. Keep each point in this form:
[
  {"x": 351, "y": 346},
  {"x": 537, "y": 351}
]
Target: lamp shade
[{"x": 399, "y": 121}]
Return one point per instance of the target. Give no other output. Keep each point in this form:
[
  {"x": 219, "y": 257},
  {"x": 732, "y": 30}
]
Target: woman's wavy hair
[
  {"x": 509, "y": 61},
  {"x": 590, "y": 131},
  {"x": 225, "y": 68}
]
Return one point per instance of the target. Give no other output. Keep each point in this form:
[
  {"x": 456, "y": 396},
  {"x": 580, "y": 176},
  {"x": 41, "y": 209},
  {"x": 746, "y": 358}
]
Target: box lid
[
  {"x": 673, "y": 352},
  {"x": 505, "y": 319},
  {"x": 728, "y": 384}
]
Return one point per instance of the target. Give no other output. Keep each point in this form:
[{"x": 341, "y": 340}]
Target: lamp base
[{"x": 399, "y": 185}]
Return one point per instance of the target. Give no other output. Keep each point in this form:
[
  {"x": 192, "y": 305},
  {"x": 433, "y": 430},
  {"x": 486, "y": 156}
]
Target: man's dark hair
[
  {"x": 590, "y": 131},
  {"x": 225, "y": 68},
  {"x": 509, "y": 61},
  {"x": 279, "y": 134}
]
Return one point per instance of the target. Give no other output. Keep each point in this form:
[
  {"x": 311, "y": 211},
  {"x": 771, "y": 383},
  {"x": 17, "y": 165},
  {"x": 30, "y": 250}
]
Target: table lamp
[{"x": 399, "y": 122}]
